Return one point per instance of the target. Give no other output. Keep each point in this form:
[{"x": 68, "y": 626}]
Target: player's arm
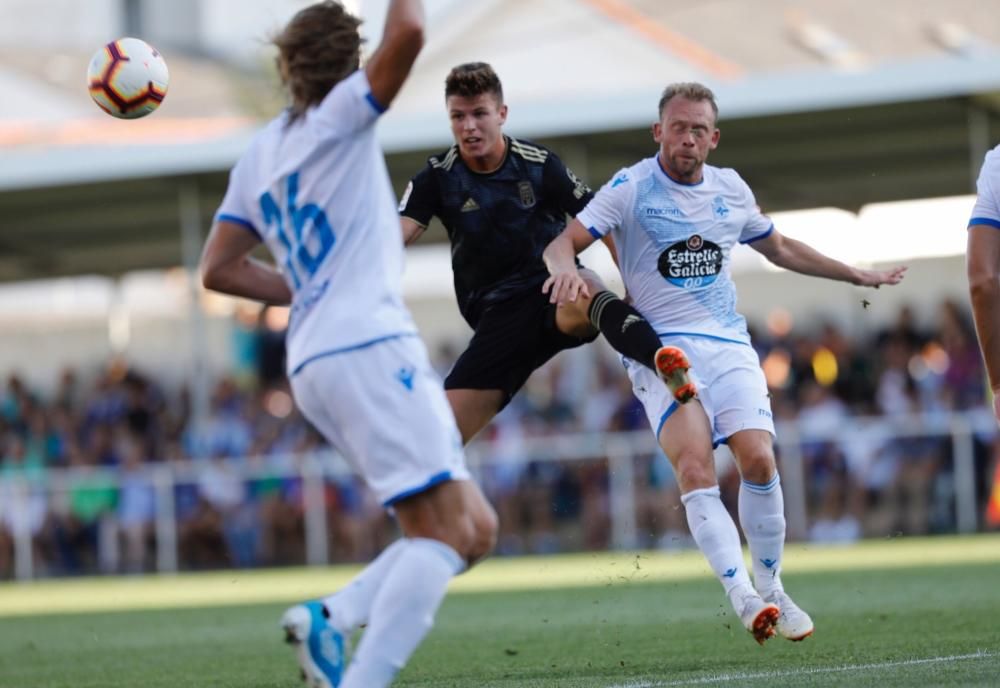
[
  {"x": 418, "y": 205},
  {"x": 564, "y": 282},
  {"x": 412, "y": 230},
  {"x": 226, "y": 266},
  {"x": 402, "y": 39},
  {"x": 601, "y": 212},
  {"x": 612, "y": 249},
  {"x": 799, "y": 257},
  {"x": 571, "y": 195},
  {"x": 983, "y": 266}
]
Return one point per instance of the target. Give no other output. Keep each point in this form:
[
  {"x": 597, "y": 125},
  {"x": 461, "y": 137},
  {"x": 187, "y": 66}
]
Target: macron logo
[
  {"x": 405, "y": 375},
  {"x": 730, "y": 573},
  {"x": 621, "y": 179},
  {"x": 769, "y": 563}
]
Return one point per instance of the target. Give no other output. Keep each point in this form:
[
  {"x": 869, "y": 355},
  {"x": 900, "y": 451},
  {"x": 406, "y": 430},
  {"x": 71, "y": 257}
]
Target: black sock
[{"x": 626, "y": 331}]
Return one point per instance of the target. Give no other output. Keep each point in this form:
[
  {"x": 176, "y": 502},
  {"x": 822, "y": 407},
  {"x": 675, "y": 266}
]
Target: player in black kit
[{"x": 502, "y": 200}]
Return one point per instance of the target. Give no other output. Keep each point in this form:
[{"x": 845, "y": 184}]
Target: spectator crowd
[{"x": 238, "y": 499}]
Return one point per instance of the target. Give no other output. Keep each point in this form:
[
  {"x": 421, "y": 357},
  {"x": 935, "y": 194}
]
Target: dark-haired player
[{"x": 502, "y": 200}]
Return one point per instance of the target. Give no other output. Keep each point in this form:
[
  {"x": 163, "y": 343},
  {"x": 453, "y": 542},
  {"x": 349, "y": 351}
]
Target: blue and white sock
[
  {"x": 762, "y": 517},
  {"x": 350, "y": 606},
  {"x": 402, "y": 612},
  {"x": 716, "y": 536}
]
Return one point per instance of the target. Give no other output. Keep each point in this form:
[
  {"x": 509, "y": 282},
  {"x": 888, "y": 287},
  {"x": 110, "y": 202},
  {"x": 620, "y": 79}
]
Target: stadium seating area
[{"x": 120, "y": 419}]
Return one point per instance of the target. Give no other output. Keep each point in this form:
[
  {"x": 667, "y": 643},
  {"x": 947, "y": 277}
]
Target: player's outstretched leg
[
  {"x": 631, "y": 335},
  {"x": 762, "y": 517},
  {"x": 448, "y": 527},
  {"x": 319, "y": 647},
  {"x": 793, "y": 623},
  {"x": 403, "y": 611},
  {"x": 715, "y": 533},
  {"x": 672, "y": 366},
  {"x": 758, "y": 616},
  {"x": 397, "y": 596},
  {"x": 321, "y": 629}
]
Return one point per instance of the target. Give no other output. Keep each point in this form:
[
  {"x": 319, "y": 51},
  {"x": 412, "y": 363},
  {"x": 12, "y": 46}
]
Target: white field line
[{"x": 742, "y": 677}]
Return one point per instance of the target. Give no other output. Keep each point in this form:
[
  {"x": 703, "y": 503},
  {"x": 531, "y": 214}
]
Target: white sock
[
  {"x": 715, "y": 533},
  {"x": 402, "y": 612},
  {"x": 349, "y": 607},
  {"x": 762, "y": 516}
]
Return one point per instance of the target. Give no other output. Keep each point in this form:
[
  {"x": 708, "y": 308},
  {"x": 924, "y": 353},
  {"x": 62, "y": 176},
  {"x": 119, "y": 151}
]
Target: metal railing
[{"x": 619, "y": 450}]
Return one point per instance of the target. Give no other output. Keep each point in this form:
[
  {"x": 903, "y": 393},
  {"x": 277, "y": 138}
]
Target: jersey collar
[
  {"x": 503, "y": 160},
  {"x": 671, "y": 179}
]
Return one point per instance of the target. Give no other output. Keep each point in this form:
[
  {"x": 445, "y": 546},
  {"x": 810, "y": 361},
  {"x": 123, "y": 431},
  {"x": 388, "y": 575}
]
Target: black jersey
[{"x": 498, "y": 222}]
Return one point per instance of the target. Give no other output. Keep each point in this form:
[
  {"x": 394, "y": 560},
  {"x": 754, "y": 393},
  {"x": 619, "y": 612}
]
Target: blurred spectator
[
  {"x": 84, "y": 535},
  {"x": 245, "y": 505},
  {"x": 136, "y": 509}
]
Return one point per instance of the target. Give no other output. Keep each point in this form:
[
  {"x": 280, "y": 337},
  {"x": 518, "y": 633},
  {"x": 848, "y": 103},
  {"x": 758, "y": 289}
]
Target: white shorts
[
  {"x": 731, "y": 386},
  {"x": 382, "y": 406}
]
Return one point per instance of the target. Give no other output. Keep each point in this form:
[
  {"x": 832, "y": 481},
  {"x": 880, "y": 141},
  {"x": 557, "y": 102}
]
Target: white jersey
[
  {"x": 317, "y": 192},
  {"x": 987, "y": 208},
  {"x": 673, "y": 244}
]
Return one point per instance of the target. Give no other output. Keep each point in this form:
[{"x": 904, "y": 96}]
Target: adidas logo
[
  {"x": 470, "y": 205},
  {"x": 630, "y": 320}
]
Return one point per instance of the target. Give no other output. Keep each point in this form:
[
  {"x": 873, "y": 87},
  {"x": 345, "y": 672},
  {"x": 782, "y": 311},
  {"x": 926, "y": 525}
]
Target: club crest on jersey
[
  {"x": 527, "y": 194},
  {"x": 691, "y": 263},
  {"x": 720, "y": 208},
  {"x": 405, "y": 376}
]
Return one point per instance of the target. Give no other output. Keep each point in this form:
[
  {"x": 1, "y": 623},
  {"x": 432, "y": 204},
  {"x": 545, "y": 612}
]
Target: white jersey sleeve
[
  {"x": 317, "y": 192},
  {"x": 987, "y": 208},
  {"x": 349, "y": 107},
  {"x": 758, "y": 225},
  {"x": 236, "y": 207},
  {"x": 607, "y": 209}
]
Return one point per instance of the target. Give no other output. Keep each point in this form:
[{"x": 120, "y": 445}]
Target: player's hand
[
  {"x": 876, "y": 278},
  {"x": 565, "y": 287}
]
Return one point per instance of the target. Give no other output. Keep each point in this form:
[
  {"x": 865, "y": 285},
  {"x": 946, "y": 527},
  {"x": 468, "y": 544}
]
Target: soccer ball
[{"x": 127, "y": 78}]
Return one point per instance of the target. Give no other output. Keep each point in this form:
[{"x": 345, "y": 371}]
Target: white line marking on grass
[{"x": 728, "y": 678}]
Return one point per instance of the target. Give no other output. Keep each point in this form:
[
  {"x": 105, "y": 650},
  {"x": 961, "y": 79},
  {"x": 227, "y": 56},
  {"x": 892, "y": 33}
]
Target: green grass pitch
[{"x": 890, "y": 613}]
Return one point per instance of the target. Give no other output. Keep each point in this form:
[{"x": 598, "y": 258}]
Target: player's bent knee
[
  {"x": 694, "y": 472},
  {"x": 487, "y": 527},
  {"x": 758, "y": 467},
  {"x": 572, "y": 320}
]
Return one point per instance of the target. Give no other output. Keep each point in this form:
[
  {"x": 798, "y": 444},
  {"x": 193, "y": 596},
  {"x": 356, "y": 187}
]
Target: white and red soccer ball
[{"x": 128, "y": 78}]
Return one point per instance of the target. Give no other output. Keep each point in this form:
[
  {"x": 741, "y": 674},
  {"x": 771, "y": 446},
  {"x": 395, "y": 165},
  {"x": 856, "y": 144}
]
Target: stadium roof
[{"x": 818, "y": 109}]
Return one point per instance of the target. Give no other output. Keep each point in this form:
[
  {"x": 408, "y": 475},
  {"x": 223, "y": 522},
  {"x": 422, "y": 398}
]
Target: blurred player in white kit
[{"x": 314, "y": 188}]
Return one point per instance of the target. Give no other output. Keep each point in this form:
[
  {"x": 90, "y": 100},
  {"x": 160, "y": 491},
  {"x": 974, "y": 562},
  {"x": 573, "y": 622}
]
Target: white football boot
[
  {"x": 758, "y": 617},
  {"x": 793, "y": 623}
]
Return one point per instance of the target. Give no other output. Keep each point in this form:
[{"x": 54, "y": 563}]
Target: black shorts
[{"x": 512, "y": 339}]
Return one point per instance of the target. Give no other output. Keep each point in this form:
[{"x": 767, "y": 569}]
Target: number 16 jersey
[
  {"x": 317, "y": 192},
  {"x": 673, "y": 244}
]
